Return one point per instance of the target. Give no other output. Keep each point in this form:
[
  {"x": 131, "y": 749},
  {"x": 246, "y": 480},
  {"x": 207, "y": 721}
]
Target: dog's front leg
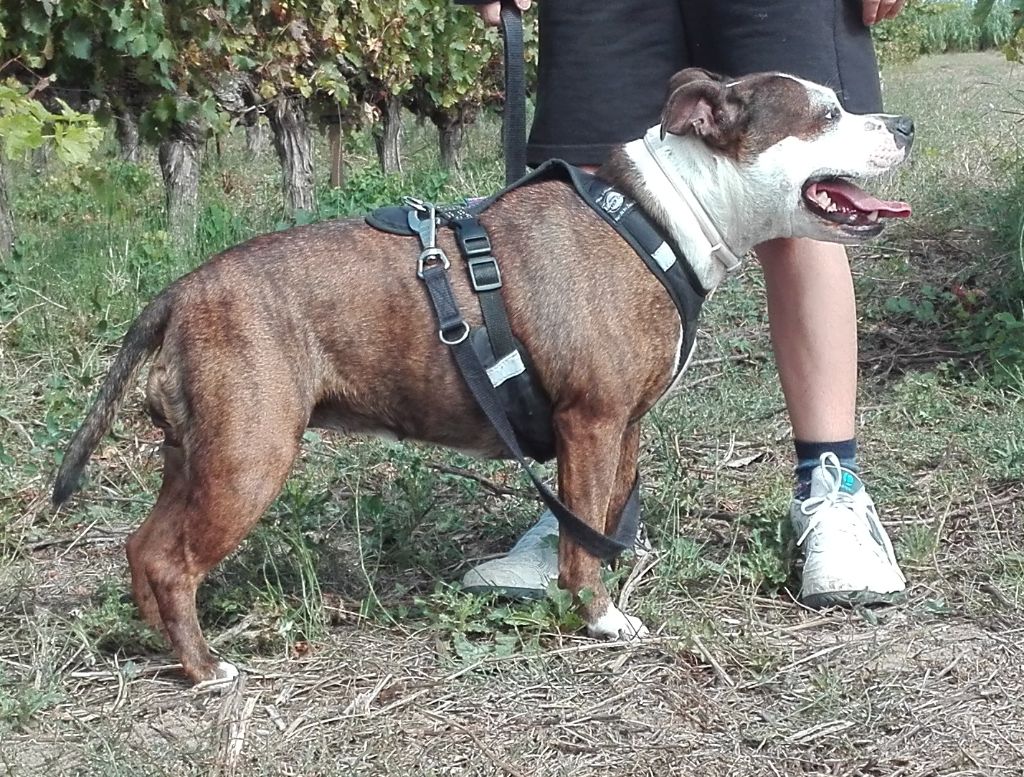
[{"x": 596, "y": 467}]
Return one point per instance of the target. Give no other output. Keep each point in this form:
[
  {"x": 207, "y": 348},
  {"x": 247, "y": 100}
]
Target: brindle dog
[{"x": 328, "y": 326}]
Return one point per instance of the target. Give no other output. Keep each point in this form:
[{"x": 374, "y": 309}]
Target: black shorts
[{"x": 605, "y": 64}]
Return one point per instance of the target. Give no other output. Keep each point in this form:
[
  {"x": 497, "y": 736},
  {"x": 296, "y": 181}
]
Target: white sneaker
[
  {"x": 848, "y": 558},
  {"x": 531, "y": 565}
]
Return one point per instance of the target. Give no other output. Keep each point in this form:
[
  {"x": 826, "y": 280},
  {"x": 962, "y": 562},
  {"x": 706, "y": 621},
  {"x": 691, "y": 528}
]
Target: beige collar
[{"x": 716, "y": 245}]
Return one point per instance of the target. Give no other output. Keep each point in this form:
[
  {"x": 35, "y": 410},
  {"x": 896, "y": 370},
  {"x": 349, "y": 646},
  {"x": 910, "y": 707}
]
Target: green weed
[
  {"x": 767, "y": 557},
  {"x": 22, "y": 699},
  {"x": 1009, "y": 575},
  {"x": 917, "y": 544},
  {"x": 929, "y": 27},
  {"x": 686, "y": 561},
  {"x": 276, "y": 575},
  {"x": 369, "y": 188},
  {"x": 475, "y": 627},
  {"x": 111, "y": 624}
]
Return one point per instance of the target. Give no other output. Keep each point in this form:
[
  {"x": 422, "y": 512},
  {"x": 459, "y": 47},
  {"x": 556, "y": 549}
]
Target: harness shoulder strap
[
  {"x": 663, "y": 259},
  {"x": 485, "y": 278}
]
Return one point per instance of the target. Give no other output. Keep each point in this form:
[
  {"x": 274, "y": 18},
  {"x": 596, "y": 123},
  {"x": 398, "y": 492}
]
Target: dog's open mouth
[{"x": 843, "y": 202}]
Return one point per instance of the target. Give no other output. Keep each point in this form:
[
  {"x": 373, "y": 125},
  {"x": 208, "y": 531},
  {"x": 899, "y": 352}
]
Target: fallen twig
[{"x": 461, "y": 472}]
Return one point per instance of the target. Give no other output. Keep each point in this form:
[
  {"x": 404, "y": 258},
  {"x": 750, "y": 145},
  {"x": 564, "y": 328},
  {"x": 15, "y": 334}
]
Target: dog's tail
[{"x": 144, "y": 336}]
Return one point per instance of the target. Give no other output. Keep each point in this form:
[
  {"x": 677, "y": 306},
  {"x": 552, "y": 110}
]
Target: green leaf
[
  {"x": 34, "y": 19},
  {"x": 164, "y": 51},
  {"x": 20, "y": 132},
  {"x": 76, "y": 142},
  {"x": 242, "y": 62},
  {"x": 77, "y": 40}
]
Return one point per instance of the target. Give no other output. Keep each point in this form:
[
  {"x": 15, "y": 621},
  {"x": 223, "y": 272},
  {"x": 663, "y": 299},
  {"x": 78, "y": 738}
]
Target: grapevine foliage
[
  {"x": 167, "y": 60},
  {"x": 27, "y": 124}
]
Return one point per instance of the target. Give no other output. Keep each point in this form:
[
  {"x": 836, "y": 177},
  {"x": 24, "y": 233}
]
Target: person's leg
[
  {"x": 602, "y": 72},
  {"x": 811, "y": 305},
  {"x": 815, "y": 344},
  {"x": 602, "y": 75},
  {"x": 813, "y": 317}
]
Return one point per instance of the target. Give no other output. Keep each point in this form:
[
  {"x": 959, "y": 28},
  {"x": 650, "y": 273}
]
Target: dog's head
[{"x": 794, "y": 147}]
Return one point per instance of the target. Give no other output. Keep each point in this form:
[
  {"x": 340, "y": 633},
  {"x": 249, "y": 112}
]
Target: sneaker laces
[
  {"x": 834, "y": 497},
  {"x": 833, "y": 473}
]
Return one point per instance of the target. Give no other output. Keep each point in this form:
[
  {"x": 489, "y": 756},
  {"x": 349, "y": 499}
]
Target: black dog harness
[{"x": 496, "y": 366}]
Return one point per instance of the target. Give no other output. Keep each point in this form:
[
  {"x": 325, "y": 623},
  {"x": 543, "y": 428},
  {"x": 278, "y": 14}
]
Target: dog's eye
[{"x": 832, "y": 114}]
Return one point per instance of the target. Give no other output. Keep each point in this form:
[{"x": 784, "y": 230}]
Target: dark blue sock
[{"x": 808, "y": 456}]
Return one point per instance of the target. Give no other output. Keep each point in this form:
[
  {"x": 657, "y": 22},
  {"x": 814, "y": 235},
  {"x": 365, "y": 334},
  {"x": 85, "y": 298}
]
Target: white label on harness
[
  {"x": 508, "y": 367},
  {"x": 664, "y": 256}
]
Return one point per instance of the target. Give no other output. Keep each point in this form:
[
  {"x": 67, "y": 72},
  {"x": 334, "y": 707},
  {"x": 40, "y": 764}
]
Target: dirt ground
[{"x": 932, "y": 687}]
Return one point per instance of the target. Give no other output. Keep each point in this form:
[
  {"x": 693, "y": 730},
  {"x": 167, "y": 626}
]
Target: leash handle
[{"x": 513, "y": 125}]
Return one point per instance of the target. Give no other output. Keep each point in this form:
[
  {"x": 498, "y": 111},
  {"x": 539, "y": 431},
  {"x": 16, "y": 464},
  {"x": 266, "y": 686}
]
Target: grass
[
  {"x": 363, "y": 658},
  {"x": 940, "y": 27},
  {"x": 951, "y": 28}
]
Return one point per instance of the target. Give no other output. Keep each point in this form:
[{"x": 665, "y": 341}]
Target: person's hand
[
  {"x": 491, "y": 12},
  {"x": 878, "y": 10}
]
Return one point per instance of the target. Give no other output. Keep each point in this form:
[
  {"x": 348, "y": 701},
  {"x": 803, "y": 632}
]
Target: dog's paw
[
  {"x": 224, "y": 676},
  {"x": 226, "y": 671},
  {"x": 615, "y": 624}
]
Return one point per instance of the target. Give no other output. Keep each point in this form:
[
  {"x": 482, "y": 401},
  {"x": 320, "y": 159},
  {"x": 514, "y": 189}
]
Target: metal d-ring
[{"x": 463, "y": 336}]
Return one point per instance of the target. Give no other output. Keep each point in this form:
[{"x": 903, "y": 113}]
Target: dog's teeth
[
  {"x": 873, "y": 216},
  {"x": 826, "y": 204}
]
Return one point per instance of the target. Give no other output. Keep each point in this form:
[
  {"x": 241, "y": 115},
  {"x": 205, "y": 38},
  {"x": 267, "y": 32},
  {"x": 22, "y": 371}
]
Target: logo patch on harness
[{"x": 614, "y": 204}]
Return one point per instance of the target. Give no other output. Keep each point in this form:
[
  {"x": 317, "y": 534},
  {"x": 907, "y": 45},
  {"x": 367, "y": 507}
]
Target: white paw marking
[
  {"x": 615, "y": 624},
  {"x": 226, "y": 671},
  {"x": 224, "y": 676}
]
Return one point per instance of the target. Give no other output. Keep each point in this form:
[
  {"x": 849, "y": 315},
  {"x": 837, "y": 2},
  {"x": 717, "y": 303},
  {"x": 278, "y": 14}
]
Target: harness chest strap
[
  {"x": 667, "y": 263},
  {"x": 453, "y": 331}
]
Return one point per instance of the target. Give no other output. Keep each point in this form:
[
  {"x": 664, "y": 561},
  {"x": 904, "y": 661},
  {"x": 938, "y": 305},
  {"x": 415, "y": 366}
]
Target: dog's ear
[
  {"x": 692, "y": 74},
  {"x": 695, "y": 106}
]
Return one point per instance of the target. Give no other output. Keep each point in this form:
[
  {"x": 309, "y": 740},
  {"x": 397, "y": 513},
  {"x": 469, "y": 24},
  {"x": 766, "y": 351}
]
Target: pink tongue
[{"x": 863, "y": 201}]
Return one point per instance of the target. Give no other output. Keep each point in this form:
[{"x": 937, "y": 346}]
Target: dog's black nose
[{"x": 902, "y": 128}]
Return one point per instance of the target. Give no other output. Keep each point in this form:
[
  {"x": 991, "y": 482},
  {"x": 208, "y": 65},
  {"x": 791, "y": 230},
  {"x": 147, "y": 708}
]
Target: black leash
[
  {"x": 453, "y": 330},
  {"x": 513, "y": 126}
]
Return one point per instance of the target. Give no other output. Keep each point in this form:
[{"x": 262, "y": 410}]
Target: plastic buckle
[
  {"x": 472, "y": 237},
  {"x": 479, "y": 263},
  {"x": 476, "y": 245}
]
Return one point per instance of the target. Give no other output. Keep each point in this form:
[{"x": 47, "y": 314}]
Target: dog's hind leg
[
  {"x": 596, "y": 466},
  {"x": 229, "y": 476},
  {"x": 172, "y": 490}
]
